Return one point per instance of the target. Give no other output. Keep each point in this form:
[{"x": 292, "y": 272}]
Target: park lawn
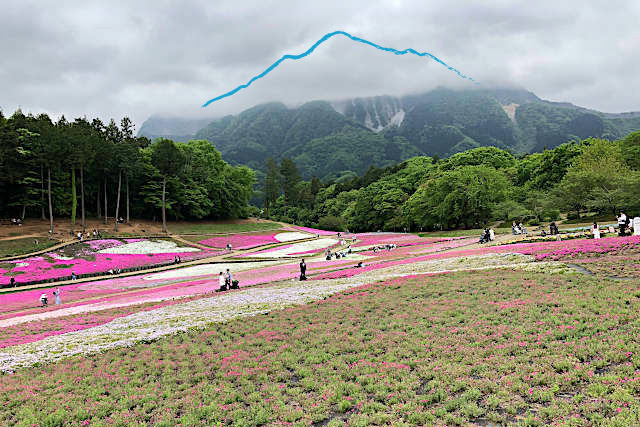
[
  {"x": 16, "y": 247},
  {"x": 219, "y": 228},
  {"x": 497, "y": 346}
]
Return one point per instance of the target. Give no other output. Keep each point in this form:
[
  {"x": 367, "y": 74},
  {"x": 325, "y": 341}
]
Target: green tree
[
  {"x": 167, "y": 159},
  {"x": 290, "y": 180},
  {"x": 272, "y": 184}
]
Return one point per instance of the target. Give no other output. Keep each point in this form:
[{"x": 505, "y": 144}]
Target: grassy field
[
  {"x": 487, "y": 348},
  {"x": 15, "y": 247},
  {"x": 221, "y": 228}
]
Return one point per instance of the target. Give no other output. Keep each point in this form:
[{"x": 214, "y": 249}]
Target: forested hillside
[
  {"x": 339, "y": 140},
  {"x": 81, "y": 168},
  {"x": 469, "y": 189}
]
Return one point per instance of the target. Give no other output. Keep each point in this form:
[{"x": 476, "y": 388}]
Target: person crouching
[{"x": 222, "y": 282}]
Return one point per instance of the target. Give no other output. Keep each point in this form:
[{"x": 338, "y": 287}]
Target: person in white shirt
[
  {"x": 595, "y": 230},
  {"x": 222, "y": 283}
]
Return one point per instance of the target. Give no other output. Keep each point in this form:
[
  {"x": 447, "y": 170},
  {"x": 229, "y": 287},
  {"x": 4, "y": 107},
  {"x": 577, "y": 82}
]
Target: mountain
[
  {"x": 175, "y": 128},
  {"x": 334, "y": 140}
]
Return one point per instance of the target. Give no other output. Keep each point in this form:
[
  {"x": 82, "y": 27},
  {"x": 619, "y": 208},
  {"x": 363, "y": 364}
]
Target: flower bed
[
  {"x": 294, "y": 249},
  {"x": 241, "y": 241},
  {"x": 290, "y": 236},
  {"x": 82, "y": 259},
  {"x": 491, "y": 347},
  {"x": 371, "y": 239},
  {"x": 315, "y": 231}
]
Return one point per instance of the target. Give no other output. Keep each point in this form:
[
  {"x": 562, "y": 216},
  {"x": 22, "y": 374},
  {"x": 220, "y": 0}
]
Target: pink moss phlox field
[
  {"x": 97, "y": 245},
  {"x": 50, "y": 266},
  {"x": 494, "y": 347},
  {"x": 368, "y": 239},
  {"x": 241, "y": 241}
]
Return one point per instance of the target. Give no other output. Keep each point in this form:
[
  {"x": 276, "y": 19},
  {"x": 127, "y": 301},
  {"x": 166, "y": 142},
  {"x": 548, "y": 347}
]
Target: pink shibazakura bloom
[
  {"x": 241, "y": 241},
  {"x": 52, "y": 265}
]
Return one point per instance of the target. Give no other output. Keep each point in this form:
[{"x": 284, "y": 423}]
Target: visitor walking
[
  {"x": 73, "y": 276},
  {"x": 303, "y": 270},
  {"x": 12, "y": 282},
  {"x": 595, "y": 230},
  {"x": 56, "y": 294},
  {"x": 43, "y": 299},
  {"x": 492, "y": 234}
]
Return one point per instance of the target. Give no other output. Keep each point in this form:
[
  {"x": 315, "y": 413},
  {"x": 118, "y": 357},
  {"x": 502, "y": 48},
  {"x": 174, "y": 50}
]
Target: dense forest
[
  {"x": 80, "y": 168},
  {"x": 468, "y": 189}
]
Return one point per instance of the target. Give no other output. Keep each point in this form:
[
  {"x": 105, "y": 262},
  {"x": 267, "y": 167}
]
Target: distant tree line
[
  {"x": 50, "y": 169},
  {"x": 468, "y": 189}
]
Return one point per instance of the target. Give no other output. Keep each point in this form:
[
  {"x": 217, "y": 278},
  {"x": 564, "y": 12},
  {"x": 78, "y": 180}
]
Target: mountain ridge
[{"x": 347, "y": 134}]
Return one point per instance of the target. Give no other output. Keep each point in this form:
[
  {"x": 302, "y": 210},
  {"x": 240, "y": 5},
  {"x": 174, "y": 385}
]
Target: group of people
[
  {"x": 226, "y": 282},
  {"x": 518, "y": 228},
  {"x": 625, "y": 225},
  {"x": 388, "y": 247},
  {"x": 337, "y": 254},
  {"x": 488, "y": 235},
  {"x": 44, "y": 299},
  {"x": 177, "y": 259},
  {"x": 16, "y": 221},
  {"x": 94, "y": 234}
]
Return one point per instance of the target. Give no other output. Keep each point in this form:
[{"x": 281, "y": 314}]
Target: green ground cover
[
  {"x": 481, "y": 348},
  {"x": 15, "y": 247}
]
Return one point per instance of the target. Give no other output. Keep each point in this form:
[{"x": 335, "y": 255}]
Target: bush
[
  {"x": 551, "y": 214},
  {"x": 533, "y": 221},
  {"x": 572, "y": 215},
  {"x": 332, "y": 223}
]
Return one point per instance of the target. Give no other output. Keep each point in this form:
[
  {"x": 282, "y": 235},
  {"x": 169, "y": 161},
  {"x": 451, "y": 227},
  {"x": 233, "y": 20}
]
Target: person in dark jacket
[{"x": 303, "y": 270}]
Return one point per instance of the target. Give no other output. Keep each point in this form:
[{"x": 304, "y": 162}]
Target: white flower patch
[
  {"x": 22, "y": 264},
  {"x": 148, "y": 247},
  {"x": 60, "y": 257},
  {"x": 150, "y": 325},
  {"x": 208, "y": 269},
  {"x": 296, "y": 248},
  {"x": 291, "y": 236}
]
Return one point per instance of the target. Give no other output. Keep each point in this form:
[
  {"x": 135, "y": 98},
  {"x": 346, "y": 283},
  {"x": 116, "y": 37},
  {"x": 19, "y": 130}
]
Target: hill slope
[{"x": 338, "y": 139}]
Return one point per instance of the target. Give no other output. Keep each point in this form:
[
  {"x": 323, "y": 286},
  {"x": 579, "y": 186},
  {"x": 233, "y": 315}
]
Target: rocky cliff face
[{"x": 376, "y": 113}]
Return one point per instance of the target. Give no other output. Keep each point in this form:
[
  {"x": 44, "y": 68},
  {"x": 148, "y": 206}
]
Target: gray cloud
[{"x": 111, "y": 59}]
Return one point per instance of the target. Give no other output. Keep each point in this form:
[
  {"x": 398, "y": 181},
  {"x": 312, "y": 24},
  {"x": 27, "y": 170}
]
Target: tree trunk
[
  {"x": 118, "y": 199},
  {"x": 127, "y": 178},
  {"x": 106, "y": 211},
  {"x": 164, "y": 216},
  {"x": 50, "y": 204},
  {"x": 98, "y": 204},
  {"x": 42, "y": 192},
  {"x": 82, "y": 197},
  {"x": 74, "y": 199},
  {"x": 24, "y": 211}
]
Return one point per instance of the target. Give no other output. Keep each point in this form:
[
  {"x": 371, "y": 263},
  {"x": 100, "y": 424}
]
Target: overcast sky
[{"x": 138, "y": 58}]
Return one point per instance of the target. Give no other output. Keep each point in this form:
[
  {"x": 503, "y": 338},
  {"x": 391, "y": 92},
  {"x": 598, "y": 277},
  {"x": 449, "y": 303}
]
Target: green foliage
[{"x": 199, "y": 184}]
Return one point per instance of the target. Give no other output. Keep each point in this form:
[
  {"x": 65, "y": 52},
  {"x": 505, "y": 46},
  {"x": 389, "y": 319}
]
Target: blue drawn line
[{"x": 318, "y": 43}]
